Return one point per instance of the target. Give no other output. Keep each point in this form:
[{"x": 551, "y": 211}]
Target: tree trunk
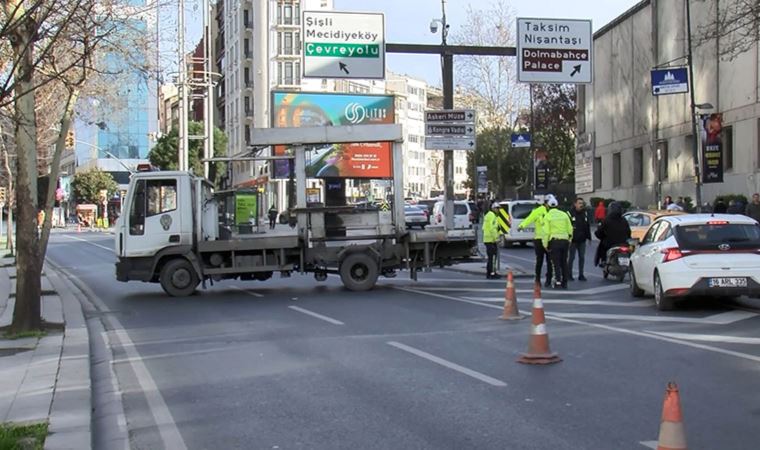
[{"x": 26, "y": 314}]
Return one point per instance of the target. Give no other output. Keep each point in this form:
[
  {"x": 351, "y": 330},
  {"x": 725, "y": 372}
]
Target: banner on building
[
  {"x": 542, "y": 171},
  {"x": 482, "y": 179},
  {"x": 361, "y": 160},
  {"x": 712, "y": 148}
]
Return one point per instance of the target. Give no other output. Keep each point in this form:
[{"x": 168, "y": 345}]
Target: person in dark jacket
[
  {"x": 753, "y": 208},
  {"x": 272, "y": 214},
  {"x": 735, "y": 207},
  {"x": 581, "y": 234},
  {"x": 720, "y": 207},
  {"x": 614, "y": 231}
]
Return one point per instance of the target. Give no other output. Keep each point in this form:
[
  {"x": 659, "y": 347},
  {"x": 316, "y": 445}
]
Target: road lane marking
[
  {"x": 645, "y": 334},
  {"x": 204, "y": 351},
  {"x": 709, "y": 338},
  {"x": 627, "y": 304},
  {"x": 590, "y": 291},
  {"x": 650, "y": 444},
  {"x": 730, "y": 317},
  {"x": 716, "y": 319},
  {"x": 316, "y": 315},
  {"x": 448, "y": 364},
  {"x": 162, "y": 416},
  {"x": 255, "y": 294},
  {"x": 88, "y": 242}
]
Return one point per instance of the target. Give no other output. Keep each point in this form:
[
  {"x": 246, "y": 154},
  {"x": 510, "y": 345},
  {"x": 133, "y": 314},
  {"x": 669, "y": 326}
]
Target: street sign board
[
  {"x": 449, "y": 143},
  {"x": 554, "y": 50},
  {"x": 673, "y": 80},
  {"x": 343, "y": 45},
  {"x": 450, "y": 130},
  {"x": 450, "y": 116},
  {"x": 521, "y": 140}
]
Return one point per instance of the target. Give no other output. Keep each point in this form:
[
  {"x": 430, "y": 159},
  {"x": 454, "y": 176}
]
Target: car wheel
[
  {"x": 662, "y": 302},
  {"x": 178, "y": 278},
  {"x": 358, "y": 272},
  {"x": 636, "y": 291}
]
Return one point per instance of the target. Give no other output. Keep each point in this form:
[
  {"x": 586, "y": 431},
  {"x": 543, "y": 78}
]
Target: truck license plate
[
  {"x": 624, "y": 261},
  {"x": 529, "y": 229},
  {"x": 734, "y": 282}
]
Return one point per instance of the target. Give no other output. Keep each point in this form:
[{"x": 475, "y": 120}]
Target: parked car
[
  {"x": 424, "y": 209},
  {"x": 415, "y": 217},
  {"x": 697, "y": 254},
  {"x": 518, "y": 210},
  {"x": 639, "y": 221},
  {"x": 463, "y": 215}
]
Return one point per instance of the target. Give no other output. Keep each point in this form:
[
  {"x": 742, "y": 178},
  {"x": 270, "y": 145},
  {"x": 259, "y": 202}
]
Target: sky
[{"x": 408, "y": 21}]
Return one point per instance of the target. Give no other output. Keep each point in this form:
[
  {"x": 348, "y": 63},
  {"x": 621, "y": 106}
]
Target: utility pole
[
  {"x": 696, "y": 140},
  {"x": 208, "y": 85},
  {"x": 447, "y": 76},
  {"x": 532, "y": 174},
  {"x": 182, "y": 157}
]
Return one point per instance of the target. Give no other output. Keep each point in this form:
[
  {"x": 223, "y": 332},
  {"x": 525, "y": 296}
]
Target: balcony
[
  {"x": 249, "y": 113},
  {"x": 248, "y": 84},
  {"x": 248, "y": 25}
]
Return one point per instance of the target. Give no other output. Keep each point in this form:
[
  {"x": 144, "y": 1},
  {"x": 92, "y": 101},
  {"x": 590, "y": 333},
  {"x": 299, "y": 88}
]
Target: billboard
[
  {"x": 308, "y": 109},
  {"x": 712, "y": 148},
  {"x": 482, "y": 179}
]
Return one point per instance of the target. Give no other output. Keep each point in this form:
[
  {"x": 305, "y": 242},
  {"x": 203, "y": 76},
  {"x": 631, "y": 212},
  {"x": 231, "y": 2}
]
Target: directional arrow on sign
[
  {"x": 343, "y": 67},
  {"x": 576, "y": 69}
]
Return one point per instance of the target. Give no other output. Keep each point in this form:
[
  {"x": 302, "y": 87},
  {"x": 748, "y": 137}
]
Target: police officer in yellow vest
[
  {"x": 536, "y": 218},
  {"x": 491, "y": 235},
  {"x": 558, "y": 230}
]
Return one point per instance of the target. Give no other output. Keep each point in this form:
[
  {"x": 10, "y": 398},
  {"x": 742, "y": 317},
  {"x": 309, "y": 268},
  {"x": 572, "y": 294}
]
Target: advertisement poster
[
  {"x": 542, "y": 171},
  {"x": 712, "y": 148},
  {"x": 361, "y": 160},
  {"x": 482, "y": 179},
  {"x": 245, "y": 208}
]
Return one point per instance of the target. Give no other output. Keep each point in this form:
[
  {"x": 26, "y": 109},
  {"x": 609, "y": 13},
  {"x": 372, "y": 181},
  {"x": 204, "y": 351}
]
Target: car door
[{"x": 645, "y": 256}]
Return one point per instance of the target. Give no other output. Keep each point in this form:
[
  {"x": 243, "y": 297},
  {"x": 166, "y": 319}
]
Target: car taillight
[
  {"x": 672, "y": 254},
  {"x": 625, "y": 249}
]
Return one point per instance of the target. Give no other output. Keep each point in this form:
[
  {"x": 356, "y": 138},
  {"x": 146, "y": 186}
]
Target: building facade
[{"x": 639, "y": 147}]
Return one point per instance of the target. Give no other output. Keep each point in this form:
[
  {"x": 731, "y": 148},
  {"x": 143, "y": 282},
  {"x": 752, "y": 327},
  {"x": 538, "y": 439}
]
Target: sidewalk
[{"x": 47, "y": 378}]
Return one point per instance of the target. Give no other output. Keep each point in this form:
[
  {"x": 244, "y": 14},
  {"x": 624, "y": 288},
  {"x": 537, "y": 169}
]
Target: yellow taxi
[{"x": 639, "y": 221}]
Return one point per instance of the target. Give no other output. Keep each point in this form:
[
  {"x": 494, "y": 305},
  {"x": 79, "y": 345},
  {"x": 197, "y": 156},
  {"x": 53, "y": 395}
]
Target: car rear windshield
[
  {"x": 522, "y": 210},
  {"x": 714, "y": 236},
  {"x": 460, "y": 209}
]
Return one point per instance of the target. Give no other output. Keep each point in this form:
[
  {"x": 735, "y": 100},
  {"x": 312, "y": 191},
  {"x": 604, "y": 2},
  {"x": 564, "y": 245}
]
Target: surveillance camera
[{"x": 433, "y": 26}]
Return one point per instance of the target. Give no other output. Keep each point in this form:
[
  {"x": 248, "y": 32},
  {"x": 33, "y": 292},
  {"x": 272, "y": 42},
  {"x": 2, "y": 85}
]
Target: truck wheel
[
  {"x": 358, "y": 272},
  {"x": 178, "y": 278}
]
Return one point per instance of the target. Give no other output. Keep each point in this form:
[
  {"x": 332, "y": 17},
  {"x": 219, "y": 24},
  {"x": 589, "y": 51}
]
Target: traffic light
[{"x": 70, "y": 139}]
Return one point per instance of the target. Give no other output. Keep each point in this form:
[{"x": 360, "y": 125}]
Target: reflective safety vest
[
  {"x": 536, "y": 216},
  {"x": 557, "y": 225},
  {"x": 491, "y": 230}
]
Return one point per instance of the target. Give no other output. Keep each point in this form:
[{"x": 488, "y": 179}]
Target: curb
[{"x": 70, "y": 420}]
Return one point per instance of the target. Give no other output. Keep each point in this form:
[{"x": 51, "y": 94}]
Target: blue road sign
[
  {"x": 674, "y": 80},
  {"x": 520, "y": 140}
]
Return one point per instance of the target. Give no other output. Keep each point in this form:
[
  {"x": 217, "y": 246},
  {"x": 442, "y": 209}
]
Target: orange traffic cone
[
  {"x": 672, "y": 434},
  {"x": 511, "y": 311},
  {"x": 538, "y": 344}
]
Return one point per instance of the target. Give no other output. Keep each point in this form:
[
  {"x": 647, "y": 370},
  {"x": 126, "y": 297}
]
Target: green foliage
[
  {"x": 30, "y": 437},
  {"x": 164, "y": 153},
  {"x": 494, "y": 150},
  {"x": 87, "y": 185},
  {"x": 728, "y": 197},
  {"x": 554, "y": 121}
]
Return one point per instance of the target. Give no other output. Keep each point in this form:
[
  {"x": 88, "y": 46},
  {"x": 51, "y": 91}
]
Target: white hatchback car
[
  {"x": 464, "y": 215},
  {"x": 697, "y": 254}
]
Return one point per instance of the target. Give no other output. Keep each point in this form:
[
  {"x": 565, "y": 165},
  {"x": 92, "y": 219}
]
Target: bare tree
[
  {"x": 736, "y": 25},
  {"x": 51, "y": 50}
]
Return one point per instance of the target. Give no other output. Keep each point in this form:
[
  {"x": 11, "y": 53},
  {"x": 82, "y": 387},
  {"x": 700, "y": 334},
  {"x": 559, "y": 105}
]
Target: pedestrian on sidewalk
[
  {"x": 491, "y": 235},
  {"x": 537, "y": 216},
  {"x": 558, "y": 232},
  {"x": 581, "y": 234},
  {"x": 600, "y": 213},
  {"x": 753, "y": 208},
  {"x": 272, "y": 214}
]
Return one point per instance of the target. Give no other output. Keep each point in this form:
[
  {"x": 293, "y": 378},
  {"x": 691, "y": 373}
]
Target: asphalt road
[{"x": 292, "y": 363}]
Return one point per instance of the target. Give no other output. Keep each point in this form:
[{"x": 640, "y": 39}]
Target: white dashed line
[{"x": 316, "y": 315}]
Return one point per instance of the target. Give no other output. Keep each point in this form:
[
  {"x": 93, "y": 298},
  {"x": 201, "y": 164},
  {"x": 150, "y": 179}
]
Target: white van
[
  {"x": 464, "y": 215},
  {"x": 519, "y": 210}
]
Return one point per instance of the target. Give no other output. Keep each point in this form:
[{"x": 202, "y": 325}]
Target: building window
[
  {"x": 727, "y": 137},
  {"x": 597, "y": 172},
  {"x": 638, "y": 165},
  {"x": 663, "y": 159},
  {"x": 247, "y": 135},
  {"x": 285, "y": 43},
  {"x": 616, "y": 170}
]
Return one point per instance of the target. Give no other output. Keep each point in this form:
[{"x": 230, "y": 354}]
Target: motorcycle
[{"x": 617, "y": 262}]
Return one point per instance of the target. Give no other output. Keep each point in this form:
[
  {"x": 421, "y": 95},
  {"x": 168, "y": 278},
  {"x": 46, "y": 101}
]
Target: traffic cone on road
[
  {"x": 672, "y": 434},
  {"x": 538, "y": 344},
  {"x": 511, "y": 311}
]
